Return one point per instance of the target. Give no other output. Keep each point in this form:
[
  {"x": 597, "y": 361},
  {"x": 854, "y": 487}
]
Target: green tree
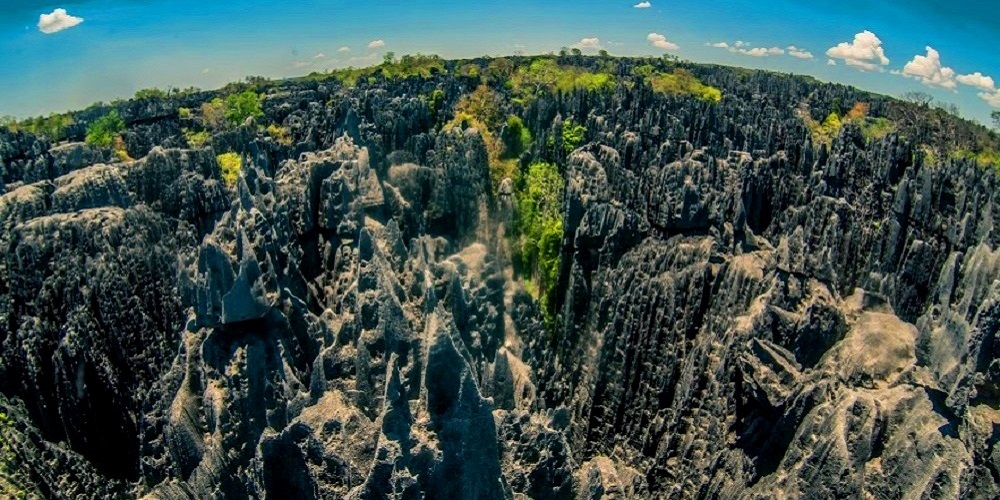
[
  {"x": 572, "y": 135},
  {"x": 103, "y": 131},
  {"x": 680, "y": 81},
  {"x": 9, "y": 123},
  {"x": 213, "y": 113},
  {"x": 153, "y": 94},
  {"x": 389, "y": 58},
  {"x": 230, "y": 165},
  {"x": 241, "y": 106},
  {"x": 499, "y": 70},
  {"x": 540, "y": 230},
  {"x": 516, "y": 137},
  {"x": 996, "y": 119},
  {"x": 53, "y": 126}
]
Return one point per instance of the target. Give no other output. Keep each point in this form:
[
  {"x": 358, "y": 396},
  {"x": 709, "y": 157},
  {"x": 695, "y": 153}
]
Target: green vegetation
[
  {"x": 103, "y": 131},
  {"x": 483, "y": 106},
  {"x": 197, "y": 139},
  {"x": 469, "y": 70},
  {"x": 995, "y": 116},
  {"x": 8, "y": 461},
  {"x": 481, "y": 110},
  {"x": 989, "y": 157},
  {"x": 930, "y": 156},
  {"x": 153, "y": 94},
  {"x": 348, "y": 77},
  {"x": 52, "y": 127},
  {"x": 678, "y": 82},
  {"x": 516, "y": 138},
  {"x": 823, "y": 133},
  {"x": 539, "y": 230},
  {"x": 435, "y": 101},
  {"x": 239, "y": 107},
  {"x": 546, "y": 75},
  {"x": 120, "y": 151},
  {"x": 877, "y": 128},
  {"x": 499, "y": 71},
  {"x": 184, "y": 113},
  {"x": 572, "y": 136},
  {"x": 280, "y": 134},
  {"x": 213, "y": 113},
  {"x": 230, "y": 164},
  {"x": 409, "y": 66},
  {"x": 233, "y": 110},
  {"x": 871, "y": 128}
]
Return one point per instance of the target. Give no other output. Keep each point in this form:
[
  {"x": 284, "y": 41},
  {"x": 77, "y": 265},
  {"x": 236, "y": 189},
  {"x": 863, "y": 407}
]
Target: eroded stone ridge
[{"x": 740, "y": 313}]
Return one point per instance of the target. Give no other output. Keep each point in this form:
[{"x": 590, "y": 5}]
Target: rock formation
[{"x": 740, "y": 313}]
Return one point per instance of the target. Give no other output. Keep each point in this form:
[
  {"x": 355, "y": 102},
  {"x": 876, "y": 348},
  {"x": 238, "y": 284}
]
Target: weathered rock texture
[{"x": 742, "y": 314}]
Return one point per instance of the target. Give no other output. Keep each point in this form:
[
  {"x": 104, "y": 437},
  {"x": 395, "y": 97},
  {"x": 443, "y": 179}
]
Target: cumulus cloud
[
  {"x": 741, "y": 47},
  {"x": 760, "y": 51},
  {"x": 865, "y": 52},
  {"x": 376, "y": 44},
  {"x": 799, "y": 53},
  {"x": 831, "y": 62},
  {"x": 344, "y": 49},
  {"x": 659, "y": 41},
  {"x": 589, "y": 43},
  {"x": 57, "y": 21},
  {"x": 319, "y": 56},
  {"x": 643, "y": 5},
  {"x": 991, "y": 98},
  {"x": 977, "y": 80},
  {"x": 928, "y": 69}
]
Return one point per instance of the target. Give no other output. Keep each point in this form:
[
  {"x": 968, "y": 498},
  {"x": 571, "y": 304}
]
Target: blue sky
[{"x": 124, "y": 45}]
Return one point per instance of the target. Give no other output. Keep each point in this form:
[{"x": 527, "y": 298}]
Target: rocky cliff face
[{"x": 740, "y": 313}]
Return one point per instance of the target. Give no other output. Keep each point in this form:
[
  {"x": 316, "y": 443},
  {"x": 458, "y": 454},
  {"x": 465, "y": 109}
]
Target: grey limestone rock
[{"x": 741, "y": 311}]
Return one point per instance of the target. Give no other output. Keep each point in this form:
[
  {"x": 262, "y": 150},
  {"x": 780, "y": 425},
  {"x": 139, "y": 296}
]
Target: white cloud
[
  {"x": 799, "y": 53},
  {"x": 319, "y": 56},
  {"x": 741, "y": 47},
  {"x": 376, "y": 44},
  {"x": 928, "y": 69},
  {"x": 643, "y": 5},
  {"x": 831, "y": 62},
  {"x": 991, "y": 98},
  {"x": 760, "y": 51},
  {"x": 659, "y": 41},
  {"x": 345, "y": 48},
  {"x": 57, "y": 21},
  {"x": 589, "y": 43},
  {"x": 865, "y": 52},
  {"x": 978, "y": 80},
  {"x": 206, "y": 71}
]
